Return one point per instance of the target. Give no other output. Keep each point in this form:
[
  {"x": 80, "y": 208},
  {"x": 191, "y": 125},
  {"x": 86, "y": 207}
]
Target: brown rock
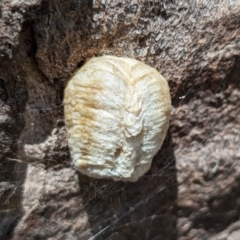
[{"x": 192, "y": 189}]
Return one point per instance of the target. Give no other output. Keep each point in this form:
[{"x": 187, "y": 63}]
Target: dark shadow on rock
[
  {"x": 141, "y": 210},
  {"x": 235, "y": 74},
  {"x": 11, "y": 187},
  {"x": 13, "y": 97},
  {"x": 44, "y": 112},
  {"x": 223, "y": 211}
]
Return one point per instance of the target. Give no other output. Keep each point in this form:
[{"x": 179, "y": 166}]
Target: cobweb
[
  {"x": 115, "y": 210},
  {"x": 43, "y": 197}
]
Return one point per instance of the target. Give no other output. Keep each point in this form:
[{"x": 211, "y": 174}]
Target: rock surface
[{"x": 192, "y": 190}]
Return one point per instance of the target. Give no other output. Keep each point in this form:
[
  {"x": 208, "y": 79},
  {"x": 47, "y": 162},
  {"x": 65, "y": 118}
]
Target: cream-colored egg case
[{"x": 117, "y": 112}]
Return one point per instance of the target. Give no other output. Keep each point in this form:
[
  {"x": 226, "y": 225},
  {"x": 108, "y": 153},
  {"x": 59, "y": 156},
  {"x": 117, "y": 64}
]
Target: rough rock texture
[
  {"x": 52, "y": 206},
  {"x": 192, "y": 190}
]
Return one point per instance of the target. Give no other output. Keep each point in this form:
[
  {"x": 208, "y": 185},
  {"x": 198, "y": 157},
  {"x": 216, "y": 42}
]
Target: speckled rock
[{"x": 192, "y": 188}]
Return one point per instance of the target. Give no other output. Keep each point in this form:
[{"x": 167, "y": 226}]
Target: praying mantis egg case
[{"x": 117, "y": 112}]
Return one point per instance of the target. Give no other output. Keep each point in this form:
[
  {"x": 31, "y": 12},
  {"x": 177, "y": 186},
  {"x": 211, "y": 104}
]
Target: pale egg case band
[{"x": 117, "y": 113}]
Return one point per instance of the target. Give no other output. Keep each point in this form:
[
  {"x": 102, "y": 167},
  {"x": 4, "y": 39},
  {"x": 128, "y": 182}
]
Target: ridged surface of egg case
[{"x": 117, "y": 114}]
